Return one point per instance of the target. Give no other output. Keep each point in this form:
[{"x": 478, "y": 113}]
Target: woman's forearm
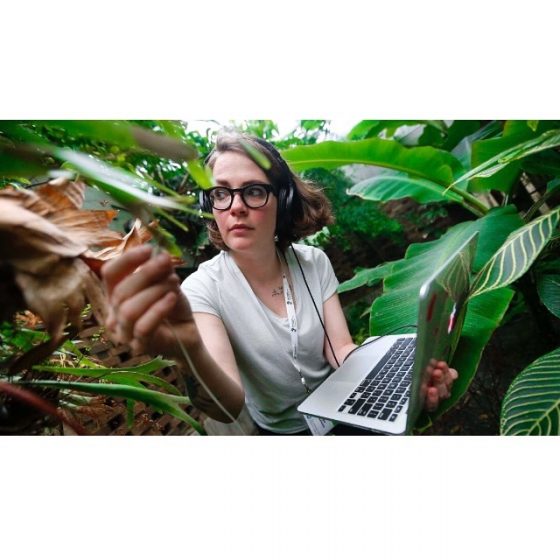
[{"x": 208, "y": 377}]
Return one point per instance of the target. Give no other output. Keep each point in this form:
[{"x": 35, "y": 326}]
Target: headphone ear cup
[
  {"x": 204, "y": 201},
  {"x": 284, "y": 214}
]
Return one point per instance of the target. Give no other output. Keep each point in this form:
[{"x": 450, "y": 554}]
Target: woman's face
[{"x": 243, "y": 228}]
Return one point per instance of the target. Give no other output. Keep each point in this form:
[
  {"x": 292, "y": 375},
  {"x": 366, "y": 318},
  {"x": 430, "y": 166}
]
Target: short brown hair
[{"x": 303, "y": 208}]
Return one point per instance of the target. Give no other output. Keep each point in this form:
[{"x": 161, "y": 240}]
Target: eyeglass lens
[{"x": 254, "y": 196}]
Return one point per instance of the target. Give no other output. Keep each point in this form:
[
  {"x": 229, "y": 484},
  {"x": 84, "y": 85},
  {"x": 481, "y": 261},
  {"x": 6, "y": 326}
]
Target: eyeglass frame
[{"x": 269, "y": 189}]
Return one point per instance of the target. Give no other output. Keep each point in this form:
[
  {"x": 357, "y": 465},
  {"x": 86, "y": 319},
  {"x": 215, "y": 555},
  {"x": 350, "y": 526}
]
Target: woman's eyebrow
[{"x": 226, "y": 183}]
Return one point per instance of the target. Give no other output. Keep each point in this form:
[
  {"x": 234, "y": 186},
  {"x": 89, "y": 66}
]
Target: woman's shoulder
[
  {"x": 211, "y": 270},
  {"x": 309, "y": 254}
]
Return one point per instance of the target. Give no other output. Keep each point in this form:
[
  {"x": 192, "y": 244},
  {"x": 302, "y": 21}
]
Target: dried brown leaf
[
  {"x": 60, "y": 296},
  {"x": 138, "y": 235},
  {"x": 62, "y": 194},
  {"x": 25, "y": 233}
]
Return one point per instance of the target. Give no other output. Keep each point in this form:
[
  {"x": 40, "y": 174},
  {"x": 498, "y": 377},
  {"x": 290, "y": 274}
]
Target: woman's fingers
[
  {"x": 130, "y": 312},
  {"x": 115, "y": 270},
  {"x": 150, "y": 321},
  {"x": 432, "y": 399},
  {"x": 154, "y": 271}
]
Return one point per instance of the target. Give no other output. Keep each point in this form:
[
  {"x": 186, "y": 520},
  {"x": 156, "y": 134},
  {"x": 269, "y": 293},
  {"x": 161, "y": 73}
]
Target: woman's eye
[
  {"x": 220, "y": 194},
  {"x": 255, "y": 192}
]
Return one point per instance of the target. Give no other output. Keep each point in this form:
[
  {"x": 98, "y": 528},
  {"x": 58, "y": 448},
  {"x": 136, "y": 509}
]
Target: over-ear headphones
[{"x": 286, "y": 192}]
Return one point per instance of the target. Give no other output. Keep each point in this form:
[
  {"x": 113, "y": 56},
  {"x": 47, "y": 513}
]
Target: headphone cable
[{"x": 315, "y": 306}]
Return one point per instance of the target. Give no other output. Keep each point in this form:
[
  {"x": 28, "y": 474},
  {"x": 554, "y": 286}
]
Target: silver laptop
[{"x": 381, "y": 386}]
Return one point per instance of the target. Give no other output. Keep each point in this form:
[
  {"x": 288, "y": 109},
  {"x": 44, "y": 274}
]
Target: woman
[{"x": 261, "y": 322}]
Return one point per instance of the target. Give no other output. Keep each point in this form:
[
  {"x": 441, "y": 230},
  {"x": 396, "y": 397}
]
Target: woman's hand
[
  {"x": 145, "y": 299},
  {"x": 439, "y": 384}
]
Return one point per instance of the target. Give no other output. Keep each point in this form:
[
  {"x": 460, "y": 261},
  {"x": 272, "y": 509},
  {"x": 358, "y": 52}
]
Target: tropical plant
[
  {"x": 484, "y": 167},
  {"x": 52, "y": 250}
]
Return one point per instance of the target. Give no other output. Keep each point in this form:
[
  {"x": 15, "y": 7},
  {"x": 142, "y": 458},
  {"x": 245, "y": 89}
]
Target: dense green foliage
[{"x": 504, "y": 177}]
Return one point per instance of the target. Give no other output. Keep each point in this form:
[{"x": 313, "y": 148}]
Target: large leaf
[
  {"x": 159, "y": 401},
  {"x": 368, "y": 129},
  {"x": 124, "y": 187},
  {"x": 398, "y": 306},
  {"x": 546, "y": 141},
  {"x": 435, "y": 165},
  {"x": 531, "y": 405},
  {"x": 516, "y": 255},
  {"x": 394, "y": 185},
  {"x": 366, "y": 277},
  {"x": 514, "y": 133},
  {"x": 19, "y": 160},
  {"x": 548, "y": 287},
  {"x": 128, "y": 136}
]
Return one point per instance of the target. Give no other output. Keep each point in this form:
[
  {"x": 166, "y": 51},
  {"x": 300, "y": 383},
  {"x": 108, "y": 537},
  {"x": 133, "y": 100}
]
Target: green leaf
[
  {"x": 548, "y": 288},
  {"x": 394, "y": 185},
  {"x": 128, "y": 136},
  {"x": 368, "y": 129},
  {"x": 533, "y": 125},
  {"x": 201, "y": 175},
  {"x": 458, "y": 131},
  {"x": 531, "y": 405},
  {"x": 424, "y": 162},
  {"x": 159, "y": 401},
  {"x": 366, "y": 277},
  {"x": 362, "y": 130},
  {"x": 516, "y": 255},
  {"x": 19, "y": 160},
  {"x": 125, "y": 188},
  {"x": 546, "y": 141},
  {"x": 398, "y": 306},
  {"x": 127, "y": 376},
  {"x": 149, "y": 367},
  {"x": 259, "y": 158},
  {"x": 544, "y": 163},
  {"x": 484, "y": 315}
]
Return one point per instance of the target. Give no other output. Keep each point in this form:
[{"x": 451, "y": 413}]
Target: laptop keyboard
[{"x": 386, "y": 389}]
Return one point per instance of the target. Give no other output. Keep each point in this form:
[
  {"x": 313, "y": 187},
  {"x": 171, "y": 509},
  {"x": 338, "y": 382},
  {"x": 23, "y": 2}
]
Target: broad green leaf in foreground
[
  {"x": 128, "y": 135},
  {"x": 516, "y": 255},
  {"x": 366, "y": 277},
  {"x": 159, "y": 401},
  {"x": 429, "y": 163},
  {"x": 391, "y": 186},
  {"x": 124, "y": 187},
  {"x": 398, "y": 306},
  {"x": 531, "y": 405}
]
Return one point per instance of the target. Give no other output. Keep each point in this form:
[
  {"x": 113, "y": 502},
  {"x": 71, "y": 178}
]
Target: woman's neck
[{"x": 262, "y": 267}]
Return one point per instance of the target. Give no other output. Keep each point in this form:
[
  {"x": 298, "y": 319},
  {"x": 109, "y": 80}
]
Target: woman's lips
[{"x": 239, "y": 227}]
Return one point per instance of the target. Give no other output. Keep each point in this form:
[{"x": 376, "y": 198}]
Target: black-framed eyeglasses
[{"x": 253, "y": 196}]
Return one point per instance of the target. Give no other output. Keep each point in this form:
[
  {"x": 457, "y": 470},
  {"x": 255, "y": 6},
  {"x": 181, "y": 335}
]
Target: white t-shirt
[{"x": 261, "y": 339}]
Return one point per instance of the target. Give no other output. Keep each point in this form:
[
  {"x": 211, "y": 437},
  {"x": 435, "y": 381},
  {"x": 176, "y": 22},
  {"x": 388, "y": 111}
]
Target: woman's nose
[{"x": 237, "y": 204}]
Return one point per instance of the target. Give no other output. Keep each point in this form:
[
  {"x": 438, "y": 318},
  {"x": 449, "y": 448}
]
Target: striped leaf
[
  {"x": 549, "y": 139},
  {"x": 516, "y": 255},
  {"x": 532, "y": 403}
]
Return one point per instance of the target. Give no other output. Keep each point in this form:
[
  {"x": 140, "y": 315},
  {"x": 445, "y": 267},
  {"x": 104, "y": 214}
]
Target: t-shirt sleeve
[
  {"x": 198, "y": 289},
  {"x": 327, "y": 277}
]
